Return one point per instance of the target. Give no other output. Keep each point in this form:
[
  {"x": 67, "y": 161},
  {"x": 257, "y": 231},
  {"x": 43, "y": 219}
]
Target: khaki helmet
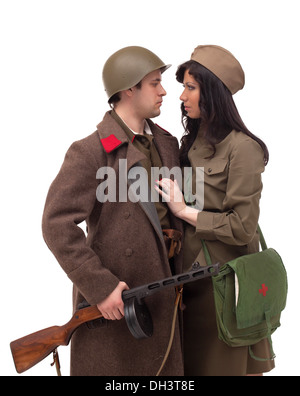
[{"x": 127, "y": 67}]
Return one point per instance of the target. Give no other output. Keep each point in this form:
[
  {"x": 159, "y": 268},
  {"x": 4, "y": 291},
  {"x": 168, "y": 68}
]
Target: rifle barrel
[{"x": 143, "y": 291}]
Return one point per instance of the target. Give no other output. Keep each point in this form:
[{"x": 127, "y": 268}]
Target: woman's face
[{"x": 191, "y": 95}]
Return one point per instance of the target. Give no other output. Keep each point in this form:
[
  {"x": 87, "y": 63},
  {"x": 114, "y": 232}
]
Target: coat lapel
[
  {"x": 150, "y": 210},
  {"x": 166, "y": 144},
  {"x": 112, "y": 138},
  {"x": 167, "y": 147}
]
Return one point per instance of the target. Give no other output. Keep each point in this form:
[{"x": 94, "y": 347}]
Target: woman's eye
[{"x": 189, "y": 87}]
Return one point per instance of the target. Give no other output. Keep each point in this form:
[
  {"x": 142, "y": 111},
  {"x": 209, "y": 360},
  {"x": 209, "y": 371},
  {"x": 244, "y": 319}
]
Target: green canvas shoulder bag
[{"x": 250, "y": 292}]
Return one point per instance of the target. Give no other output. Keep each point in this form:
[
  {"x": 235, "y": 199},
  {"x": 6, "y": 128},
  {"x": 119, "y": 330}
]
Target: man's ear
[
  {"x": 129, "y": 92},
  {"x": 126, "y": 94}
]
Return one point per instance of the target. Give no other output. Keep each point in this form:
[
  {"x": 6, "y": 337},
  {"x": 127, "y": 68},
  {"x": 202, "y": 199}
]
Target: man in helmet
[{"x": 128, "y": 240}]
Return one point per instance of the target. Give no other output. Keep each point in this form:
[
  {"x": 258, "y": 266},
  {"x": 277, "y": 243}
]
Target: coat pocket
[
  {"x": 215, "y": 167},
  {"x": 215, "y": 181}
]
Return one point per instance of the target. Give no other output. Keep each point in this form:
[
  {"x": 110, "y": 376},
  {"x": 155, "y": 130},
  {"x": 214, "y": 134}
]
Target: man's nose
[{"x": 163, "y": 92}]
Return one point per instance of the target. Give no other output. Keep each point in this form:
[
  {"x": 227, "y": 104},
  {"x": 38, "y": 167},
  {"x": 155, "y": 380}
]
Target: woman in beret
[{"x": 233, "y": 160}]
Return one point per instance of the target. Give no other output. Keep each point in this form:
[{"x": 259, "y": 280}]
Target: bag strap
[
  {"x": 273, "y": 356},
  {"x": 261, "y": 238},
  {"x": 206, "y": 253}
]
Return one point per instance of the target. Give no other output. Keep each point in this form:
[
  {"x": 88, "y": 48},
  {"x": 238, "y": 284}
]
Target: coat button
[
  {"x": 126, "y": 215},
  {"x": 209, "y": 170},
  {"x": 128, "y": 252}
]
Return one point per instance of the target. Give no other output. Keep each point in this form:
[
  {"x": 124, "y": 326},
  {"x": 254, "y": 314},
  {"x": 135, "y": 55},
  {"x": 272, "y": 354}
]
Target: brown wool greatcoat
[{"x": 124, "y": 242}]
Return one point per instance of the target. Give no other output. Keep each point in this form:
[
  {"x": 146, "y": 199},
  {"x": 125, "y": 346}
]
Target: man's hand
[{"x": 113, "y": 307}]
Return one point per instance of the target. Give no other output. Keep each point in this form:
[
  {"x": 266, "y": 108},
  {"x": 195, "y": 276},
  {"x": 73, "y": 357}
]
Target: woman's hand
[
  {"x": 172, "y": 194},
  {"x": 175, "y": 200}
]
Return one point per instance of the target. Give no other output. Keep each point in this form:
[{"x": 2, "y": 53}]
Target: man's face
[{"x": 147, "y": 100}]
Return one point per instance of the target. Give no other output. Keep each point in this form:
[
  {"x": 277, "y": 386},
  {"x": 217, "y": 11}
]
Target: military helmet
[{"x": 127, "y": 67}]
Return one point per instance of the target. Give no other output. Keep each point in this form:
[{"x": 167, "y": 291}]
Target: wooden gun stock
[{"x": 31, "y": 349}]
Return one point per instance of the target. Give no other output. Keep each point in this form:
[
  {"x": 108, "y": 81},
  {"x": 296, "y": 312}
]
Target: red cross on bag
[{"x": 263, "y": 290}]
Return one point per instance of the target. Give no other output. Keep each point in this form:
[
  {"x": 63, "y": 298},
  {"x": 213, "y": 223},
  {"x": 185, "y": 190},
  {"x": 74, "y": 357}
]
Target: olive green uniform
[{"x": 228, "y": 223}]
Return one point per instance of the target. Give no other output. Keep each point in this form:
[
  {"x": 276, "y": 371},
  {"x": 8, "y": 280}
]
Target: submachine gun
[{"x": 31, "y": 349}]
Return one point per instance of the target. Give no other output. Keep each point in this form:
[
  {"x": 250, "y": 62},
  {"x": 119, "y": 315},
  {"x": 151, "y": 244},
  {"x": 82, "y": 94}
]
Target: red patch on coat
[{"x": 110, "y": 143}]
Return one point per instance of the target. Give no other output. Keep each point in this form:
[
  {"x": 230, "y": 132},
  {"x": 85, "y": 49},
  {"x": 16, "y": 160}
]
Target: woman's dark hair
[{"x": 219, "y": 114}]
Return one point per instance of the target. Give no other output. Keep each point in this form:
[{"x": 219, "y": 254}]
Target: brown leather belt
[{"x": 172, "y": 240}]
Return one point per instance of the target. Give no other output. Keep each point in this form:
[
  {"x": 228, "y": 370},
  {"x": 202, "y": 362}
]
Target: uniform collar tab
[{"x": 110, "y": 143}]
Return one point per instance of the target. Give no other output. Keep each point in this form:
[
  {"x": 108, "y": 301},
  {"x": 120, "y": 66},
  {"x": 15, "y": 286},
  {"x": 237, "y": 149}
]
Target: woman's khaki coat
[
  {"x": 228, "y": 224},
  {"x": 124, "y": 242}
]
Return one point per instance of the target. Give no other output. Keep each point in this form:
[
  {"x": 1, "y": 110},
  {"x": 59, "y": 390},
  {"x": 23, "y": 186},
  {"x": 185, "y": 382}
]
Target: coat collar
[
  {"x": 113, "y": 138},
  {"x": 111, "y": 134}
]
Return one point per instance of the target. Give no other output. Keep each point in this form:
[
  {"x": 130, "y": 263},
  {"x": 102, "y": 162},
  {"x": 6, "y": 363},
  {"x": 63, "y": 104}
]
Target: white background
[{"x": 51, "y": 94}]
